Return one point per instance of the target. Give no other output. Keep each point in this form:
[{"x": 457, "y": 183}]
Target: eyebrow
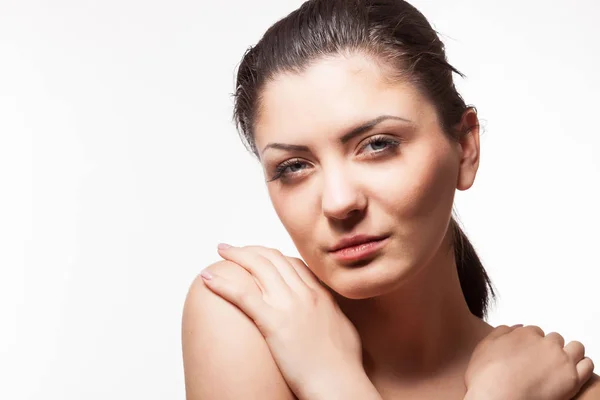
[{"x": 365, "y": 127}]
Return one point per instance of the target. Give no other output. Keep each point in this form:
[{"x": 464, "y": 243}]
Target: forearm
[{"x": 342, "y": 386}]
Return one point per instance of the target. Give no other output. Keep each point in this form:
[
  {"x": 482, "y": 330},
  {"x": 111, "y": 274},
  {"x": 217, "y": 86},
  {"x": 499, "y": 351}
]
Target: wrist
[
  {"x": 473, "y": 395},
  {"x": 488, "y": 395},
  {"x": 340, "y": 384}
]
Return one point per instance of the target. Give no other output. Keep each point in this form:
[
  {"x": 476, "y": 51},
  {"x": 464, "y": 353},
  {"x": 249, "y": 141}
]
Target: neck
[{"x": 421, "y": 329}]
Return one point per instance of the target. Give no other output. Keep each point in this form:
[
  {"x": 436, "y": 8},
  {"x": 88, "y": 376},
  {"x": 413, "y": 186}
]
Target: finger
[
  {"x": 575, "y": 350},
  {"x": 535, "y": 329},
  {"x": 248, "y": 301},
  {"x": 259, "y": 267},
  {"x": 556, "y": 338},
  {"x": 305, "y": 273},
  {"x": 500, "y": 330},
  {"x": 284, "y": 267},
  {"x": 585, "y": 370}
]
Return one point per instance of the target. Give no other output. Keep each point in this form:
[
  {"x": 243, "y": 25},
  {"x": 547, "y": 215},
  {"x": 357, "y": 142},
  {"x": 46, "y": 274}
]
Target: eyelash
[{"x": 392, "y": 144}]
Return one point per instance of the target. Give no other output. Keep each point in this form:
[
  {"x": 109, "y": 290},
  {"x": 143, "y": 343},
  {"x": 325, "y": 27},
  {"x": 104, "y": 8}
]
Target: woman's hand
[
  {"x": 315, "y": 346},
  {"x": 522, "y": 363}
]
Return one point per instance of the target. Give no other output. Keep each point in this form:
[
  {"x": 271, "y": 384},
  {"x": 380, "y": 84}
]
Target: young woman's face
[{"x": 345, "y": 153}]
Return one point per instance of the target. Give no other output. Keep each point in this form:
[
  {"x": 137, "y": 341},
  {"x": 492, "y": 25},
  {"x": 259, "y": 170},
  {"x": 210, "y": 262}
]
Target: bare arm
[{"x": 225, "y": 356}]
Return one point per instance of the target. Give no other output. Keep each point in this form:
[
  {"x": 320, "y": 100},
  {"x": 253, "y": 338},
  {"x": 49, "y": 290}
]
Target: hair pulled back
[{"x": 394, "y": 33}]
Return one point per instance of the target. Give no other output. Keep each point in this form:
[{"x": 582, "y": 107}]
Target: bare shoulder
[
  {"x": 591, "y": 390},
  {"x": 224, "y": 354}
]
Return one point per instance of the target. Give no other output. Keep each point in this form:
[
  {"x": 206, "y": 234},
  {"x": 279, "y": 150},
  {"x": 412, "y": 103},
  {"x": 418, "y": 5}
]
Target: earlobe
[{"x": 469, "y": 149}]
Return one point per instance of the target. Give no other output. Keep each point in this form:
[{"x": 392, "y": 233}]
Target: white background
[{"x": 120, "y": 171}]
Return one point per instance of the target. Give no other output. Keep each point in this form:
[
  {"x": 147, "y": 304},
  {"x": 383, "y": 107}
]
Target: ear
[{"x": 468, "y": 149}]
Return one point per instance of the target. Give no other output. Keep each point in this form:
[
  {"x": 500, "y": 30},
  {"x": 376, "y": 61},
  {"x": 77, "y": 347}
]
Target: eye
[
  {"x": 379, "y": 144},
  {"x": 289, "y": 168}
]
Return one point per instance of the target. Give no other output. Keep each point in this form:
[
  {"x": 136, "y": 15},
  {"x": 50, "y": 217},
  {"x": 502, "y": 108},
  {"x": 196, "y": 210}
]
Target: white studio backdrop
[{"x": 120, "y": 171}]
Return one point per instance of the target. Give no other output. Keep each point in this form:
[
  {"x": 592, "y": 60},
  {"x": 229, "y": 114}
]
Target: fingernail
[
  {"x": 223, "y": 246},
  {"x": 206, "y": 274}
]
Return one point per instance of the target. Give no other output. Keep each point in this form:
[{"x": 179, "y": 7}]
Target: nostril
[{"x": 349, "y": 221}]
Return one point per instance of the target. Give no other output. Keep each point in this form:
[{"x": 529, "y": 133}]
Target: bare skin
[
  {"x": 416, "y": 330},
  {"x": 431, "y": 335},
  {"x": 415, "y": 326}
]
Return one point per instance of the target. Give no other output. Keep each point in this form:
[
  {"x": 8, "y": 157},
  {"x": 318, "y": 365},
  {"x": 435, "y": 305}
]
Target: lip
[{"x": 358, "y": 247}]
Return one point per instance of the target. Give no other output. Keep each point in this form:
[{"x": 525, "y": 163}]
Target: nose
[{"x": 342, "y": 196}]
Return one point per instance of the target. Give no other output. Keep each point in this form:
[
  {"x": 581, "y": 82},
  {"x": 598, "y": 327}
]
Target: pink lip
[{"x": 358, "y": 248}]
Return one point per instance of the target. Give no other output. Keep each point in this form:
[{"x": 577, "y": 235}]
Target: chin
[{"x": 369, "y": 279}]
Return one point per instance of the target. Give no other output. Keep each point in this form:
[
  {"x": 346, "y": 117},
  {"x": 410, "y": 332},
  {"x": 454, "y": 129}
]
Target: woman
[{"x": 351, "y": 108}]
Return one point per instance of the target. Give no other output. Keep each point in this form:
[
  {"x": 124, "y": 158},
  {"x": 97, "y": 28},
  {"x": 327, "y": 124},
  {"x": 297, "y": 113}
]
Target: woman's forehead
[{"x": 330, "y": 96}]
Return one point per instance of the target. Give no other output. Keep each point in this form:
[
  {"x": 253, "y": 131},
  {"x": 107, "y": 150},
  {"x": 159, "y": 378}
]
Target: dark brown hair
[{"x": 395, "y": 34}]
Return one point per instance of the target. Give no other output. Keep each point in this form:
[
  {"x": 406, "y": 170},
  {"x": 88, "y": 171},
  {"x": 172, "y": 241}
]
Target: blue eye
[
  {"x": 288, "y": 168},
  {"x": 380, "y": 144},
  {"x": 295, "y": 167},
  {"x": 377, "y": 145}
]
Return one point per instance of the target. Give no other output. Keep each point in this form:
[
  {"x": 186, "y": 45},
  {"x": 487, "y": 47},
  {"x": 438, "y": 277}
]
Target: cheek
[
  {"x": 422, "y": 186},
  {"x": 296, "y": 209}
]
